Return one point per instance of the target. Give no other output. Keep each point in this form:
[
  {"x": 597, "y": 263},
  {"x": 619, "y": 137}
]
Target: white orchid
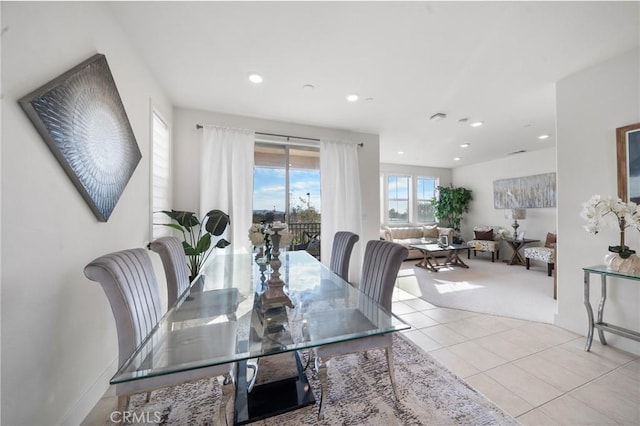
[{"x": 597, "y": 208}]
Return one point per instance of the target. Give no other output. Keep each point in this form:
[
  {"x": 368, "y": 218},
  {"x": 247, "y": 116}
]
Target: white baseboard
[{"x": 83, "y": 406}]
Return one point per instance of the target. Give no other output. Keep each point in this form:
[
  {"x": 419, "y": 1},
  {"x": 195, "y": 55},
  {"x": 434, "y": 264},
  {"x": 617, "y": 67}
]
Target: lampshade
[{"x": 516, "y": 214}]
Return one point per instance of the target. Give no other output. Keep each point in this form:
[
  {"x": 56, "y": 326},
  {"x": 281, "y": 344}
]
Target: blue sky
[{"x": 269, "y": 188}]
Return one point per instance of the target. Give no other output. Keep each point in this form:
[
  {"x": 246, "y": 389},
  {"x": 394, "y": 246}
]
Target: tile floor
[{"x": 538, "y": 373}]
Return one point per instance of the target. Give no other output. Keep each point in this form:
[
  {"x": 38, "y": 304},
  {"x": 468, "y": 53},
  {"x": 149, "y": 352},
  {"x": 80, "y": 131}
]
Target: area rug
[
  {"x": 494, "y": 288},
  {"x": 359, "y": 394}
]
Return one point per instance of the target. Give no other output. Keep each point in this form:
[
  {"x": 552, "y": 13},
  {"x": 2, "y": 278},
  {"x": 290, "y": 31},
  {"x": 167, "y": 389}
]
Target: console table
[
  {"x": 516, "y": 245},
  {"x": 599, "y": 323}
]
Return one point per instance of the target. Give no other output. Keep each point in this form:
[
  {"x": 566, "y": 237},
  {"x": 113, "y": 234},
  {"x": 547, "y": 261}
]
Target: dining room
[{"x": 59, "y": 338}]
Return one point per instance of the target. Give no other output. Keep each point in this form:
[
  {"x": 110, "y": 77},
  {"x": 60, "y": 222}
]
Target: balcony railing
[{"x": 305, "y": 236}]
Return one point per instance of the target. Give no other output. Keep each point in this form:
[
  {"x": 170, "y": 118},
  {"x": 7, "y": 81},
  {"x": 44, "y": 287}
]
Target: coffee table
[{"x": 430, "y": 261}]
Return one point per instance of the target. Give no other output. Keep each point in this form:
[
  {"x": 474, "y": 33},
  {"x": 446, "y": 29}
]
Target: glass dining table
[{"x": 229, "y": 315}]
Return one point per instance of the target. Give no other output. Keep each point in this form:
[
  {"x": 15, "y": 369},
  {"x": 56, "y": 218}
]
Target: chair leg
[
  {"x": 123, "y": 403},
  {"x": 468, "y": 254},
  {"x": 493, "y": 257},
  {"x": 321, "y": 370},
  {"x": 528, "y": 262},
  {"x": 498, "y": 254},
  {"x": 549, "y": 268},
  {"x": 148, "y": 397},
  {"x": 392, "y": 373},
  {"x": 228, "y": 391}
]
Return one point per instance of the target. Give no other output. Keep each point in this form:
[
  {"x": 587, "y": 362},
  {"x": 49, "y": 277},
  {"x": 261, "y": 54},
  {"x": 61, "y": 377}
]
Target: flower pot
[{"x": 628, "y": 265}]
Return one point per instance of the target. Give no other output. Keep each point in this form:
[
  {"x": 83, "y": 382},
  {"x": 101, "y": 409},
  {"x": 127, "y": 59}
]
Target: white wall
[
  {"x": 187, "y": 147},
  {"x": 479, "y": 179},
  {"x": 59, "y": 345},
  {"x": 591, "y": 105}
]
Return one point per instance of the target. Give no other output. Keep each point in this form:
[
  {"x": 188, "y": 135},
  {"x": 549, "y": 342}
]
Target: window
[
  {"x": 407, "y": 198},
  {"x": 398, "y": 199},
  {"x": 286, "y": 187},
  {"x": 425, "y": 191},
  {"x": 160, "y": 176}
]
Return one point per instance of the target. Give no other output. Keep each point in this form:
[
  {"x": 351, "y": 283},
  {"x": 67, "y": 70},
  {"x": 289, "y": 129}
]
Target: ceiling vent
[
  {"x": 438, "y": 116},
  {"x": 521, "y": 151}
]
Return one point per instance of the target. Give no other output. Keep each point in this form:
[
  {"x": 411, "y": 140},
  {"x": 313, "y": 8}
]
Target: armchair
[
  {"x": 486, "y": 239},
  {"x": 546, "y": 254}
]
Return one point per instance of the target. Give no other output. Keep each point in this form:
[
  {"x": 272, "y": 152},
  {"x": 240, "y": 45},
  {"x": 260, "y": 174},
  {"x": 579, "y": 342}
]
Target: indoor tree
[{"x": 450, "y": 204}]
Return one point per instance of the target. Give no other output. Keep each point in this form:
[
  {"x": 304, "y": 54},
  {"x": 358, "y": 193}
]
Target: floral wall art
[
  {"x": 82, "y": 119},
  {"x": 537, "y": 191}
]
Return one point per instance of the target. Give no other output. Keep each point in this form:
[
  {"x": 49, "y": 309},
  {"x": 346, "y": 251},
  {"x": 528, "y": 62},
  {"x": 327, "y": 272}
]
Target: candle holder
[{"x": 275, "y": 296}]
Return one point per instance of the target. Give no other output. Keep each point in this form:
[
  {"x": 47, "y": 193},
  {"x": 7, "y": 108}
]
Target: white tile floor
[{"x": 538, "y": 373}]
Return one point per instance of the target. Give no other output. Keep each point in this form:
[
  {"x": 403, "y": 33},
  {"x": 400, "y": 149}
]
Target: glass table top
[{"x": 225, "y": 316}]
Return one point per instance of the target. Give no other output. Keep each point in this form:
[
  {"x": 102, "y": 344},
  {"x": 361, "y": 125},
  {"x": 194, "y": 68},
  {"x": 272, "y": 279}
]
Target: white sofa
[{"x": 408, "y": 235}]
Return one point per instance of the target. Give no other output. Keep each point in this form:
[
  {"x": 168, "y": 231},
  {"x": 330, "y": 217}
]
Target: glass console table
[{"x": 599, "y": 322}]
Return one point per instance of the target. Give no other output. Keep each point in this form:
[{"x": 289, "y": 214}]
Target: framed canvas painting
[
  {"x": 628, "y": 153},
  {"x": 82, "y": 119}
]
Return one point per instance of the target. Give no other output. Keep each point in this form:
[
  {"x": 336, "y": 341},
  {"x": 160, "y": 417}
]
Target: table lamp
[{"x": 515, "y": 214}]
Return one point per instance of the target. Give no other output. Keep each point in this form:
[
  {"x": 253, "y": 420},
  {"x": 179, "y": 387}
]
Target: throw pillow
[
  {"x": 551, "y": 240},
  {"x": 483, "y": 235},
  {"x": 430, "y": 231}
]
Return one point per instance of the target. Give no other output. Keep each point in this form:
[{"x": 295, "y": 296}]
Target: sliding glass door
[{"x": 286, "y": 188}]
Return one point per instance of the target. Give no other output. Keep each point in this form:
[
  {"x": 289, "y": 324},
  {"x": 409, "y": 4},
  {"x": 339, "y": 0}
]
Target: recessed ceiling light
[
  {"x": 465, "y": 145},
  {"x": 476, "y": 124},
  {"x": 255, "y": 78},
  {"x": 400, "y": 152},
  {"x": 438, "y": 116},
  {"x": 456, "y": 158},
  {"x": 308, "y": 87},
  {"x": 543, "y": 137},
  {"x": 353, "y": 97},
  {"x": 463, "y": 120}
]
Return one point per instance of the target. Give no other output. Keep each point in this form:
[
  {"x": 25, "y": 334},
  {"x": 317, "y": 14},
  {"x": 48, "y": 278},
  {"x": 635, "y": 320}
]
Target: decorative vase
[{"x": 629, "y": 265}]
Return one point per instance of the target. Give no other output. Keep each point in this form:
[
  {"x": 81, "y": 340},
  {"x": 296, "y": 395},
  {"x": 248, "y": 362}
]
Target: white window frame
[
  {"x": 161, "y": 174},
  {"x": 413, "y": 198},
  {"x": 417, "y": 200}
]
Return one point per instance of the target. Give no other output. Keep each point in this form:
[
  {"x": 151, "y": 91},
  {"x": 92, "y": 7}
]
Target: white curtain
[
  {"x": 226, "y": 179},
  {"x": 340, "y": 199}
]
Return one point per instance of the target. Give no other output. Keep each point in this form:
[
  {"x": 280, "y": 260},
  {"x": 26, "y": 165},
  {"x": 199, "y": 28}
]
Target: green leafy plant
[
  {"x": 451, "y": 204},
  {"x": 197, "y": 234}
]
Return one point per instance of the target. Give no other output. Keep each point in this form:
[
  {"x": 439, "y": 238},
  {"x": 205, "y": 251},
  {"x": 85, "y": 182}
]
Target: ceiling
[{"x": 495, "y": 62}]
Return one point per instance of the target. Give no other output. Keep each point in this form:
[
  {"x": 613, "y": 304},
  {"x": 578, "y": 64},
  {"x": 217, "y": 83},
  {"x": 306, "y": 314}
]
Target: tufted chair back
[
  {"x": 343, "y": 243},
  {"x": 174, "y": 262},
  {"x": 129, "y": 282}
]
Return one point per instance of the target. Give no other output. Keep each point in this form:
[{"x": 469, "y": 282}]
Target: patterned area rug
[{"x": 359, "y": 394}]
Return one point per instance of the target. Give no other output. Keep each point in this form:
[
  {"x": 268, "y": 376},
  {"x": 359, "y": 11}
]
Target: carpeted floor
[
  {"x": 359, "y": 394},
  {"x": 489, "y": 288}
]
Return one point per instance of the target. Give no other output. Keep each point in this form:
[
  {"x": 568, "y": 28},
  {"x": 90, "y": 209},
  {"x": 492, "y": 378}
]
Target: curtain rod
[{"x": 200, "y": 126}]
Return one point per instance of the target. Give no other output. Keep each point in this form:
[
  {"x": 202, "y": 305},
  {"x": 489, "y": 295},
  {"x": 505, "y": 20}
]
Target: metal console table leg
[{"x": 587, "y": 305}]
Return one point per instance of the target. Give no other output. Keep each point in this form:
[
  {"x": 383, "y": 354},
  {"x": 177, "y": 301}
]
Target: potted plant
[
  {"x": 197, "y": 234},
  {"x": 449, "y": 206}
]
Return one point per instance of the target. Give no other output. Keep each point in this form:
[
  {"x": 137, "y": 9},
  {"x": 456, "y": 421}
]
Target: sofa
[{"x": 409, "y": 235}]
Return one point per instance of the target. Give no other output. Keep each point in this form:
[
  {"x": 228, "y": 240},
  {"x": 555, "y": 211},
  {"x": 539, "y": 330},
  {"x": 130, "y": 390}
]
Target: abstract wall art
[
  {"x": 628, "y": 152},
  {"x": 537, "y": 191},
  {"x": 82, "y": 119}
]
